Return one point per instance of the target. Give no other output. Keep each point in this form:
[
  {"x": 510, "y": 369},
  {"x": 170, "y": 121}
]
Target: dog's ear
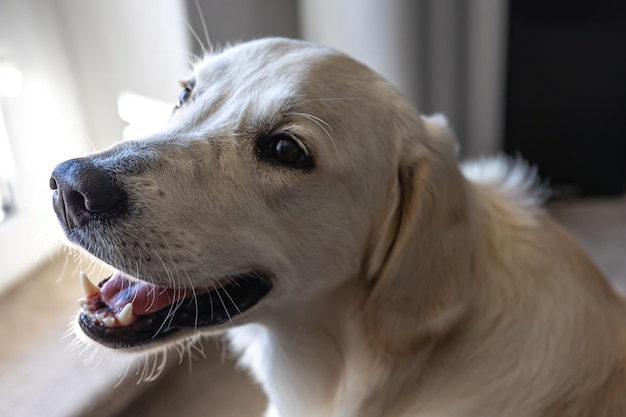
[{"x": 417, "y": 287}]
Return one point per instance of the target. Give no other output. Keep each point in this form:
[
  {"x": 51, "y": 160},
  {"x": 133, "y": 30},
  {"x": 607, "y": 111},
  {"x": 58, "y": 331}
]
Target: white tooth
[
  {"x": 100, "y": 316},
  {"x": 88, "y": 287},
  {"x": 109, "y": 321},
  {"x": 126, "y": 316}
]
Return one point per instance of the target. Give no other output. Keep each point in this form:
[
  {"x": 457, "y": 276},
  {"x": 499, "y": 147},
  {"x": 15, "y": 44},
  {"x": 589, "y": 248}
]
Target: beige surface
[
  {"x": 214, "y": 389},
  {"x": 600, "y": 227},
  {"x": 39, "y": 375}
]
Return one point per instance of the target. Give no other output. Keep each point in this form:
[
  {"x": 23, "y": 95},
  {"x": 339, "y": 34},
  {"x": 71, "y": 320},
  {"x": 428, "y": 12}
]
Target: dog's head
[{"x": 286, "y": 169}]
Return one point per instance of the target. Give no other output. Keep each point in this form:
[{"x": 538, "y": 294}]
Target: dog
[{"x": 297, "y": 203}]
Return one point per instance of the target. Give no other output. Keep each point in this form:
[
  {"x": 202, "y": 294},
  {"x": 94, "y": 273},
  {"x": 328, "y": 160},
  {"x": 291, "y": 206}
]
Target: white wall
[
  {"x": 140, "y": 46},
  {"x": 77, "y": 56}
]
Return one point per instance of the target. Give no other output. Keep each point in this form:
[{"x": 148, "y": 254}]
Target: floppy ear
[{"x": 417, "y": 293}]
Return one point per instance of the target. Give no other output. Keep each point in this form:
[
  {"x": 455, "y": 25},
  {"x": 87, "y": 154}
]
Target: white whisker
[
  {"x": 204, "y": 27},
  {"x": 195, "y": 300},
  {"x": 197, "y": 38},
  {"x": 230, "y": 298},
  {"x": 217, "y": 291},
  {"x": 123, "y": 375},
  {"x": 321, "y": 124}
]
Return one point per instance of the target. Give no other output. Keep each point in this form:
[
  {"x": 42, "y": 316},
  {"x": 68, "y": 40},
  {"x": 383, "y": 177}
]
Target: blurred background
[{"x": 543, "y": 79}]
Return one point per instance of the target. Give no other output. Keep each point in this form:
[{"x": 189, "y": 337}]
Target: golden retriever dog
[{"x": 298, "y": 203}]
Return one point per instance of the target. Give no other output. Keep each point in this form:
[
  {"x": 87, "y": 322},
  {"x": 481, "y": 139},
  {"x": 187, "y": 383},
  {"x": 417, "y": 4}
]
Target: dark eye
[
  {"x": 185, "y": 94},
  {"x": 285, "y": 150}
]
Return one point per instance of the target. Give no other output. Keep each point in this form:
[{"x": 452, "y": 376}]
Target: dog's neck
[
  {"x": 322, "y": 362},
  {"x": 308, "y": 353}
]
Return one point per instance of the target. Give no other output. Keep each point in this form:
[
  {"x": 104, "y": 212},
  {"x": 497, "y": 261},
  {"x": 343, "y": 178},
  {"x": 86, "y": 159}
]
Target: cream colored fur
[
  {"x": 404, "y": 285},
  {"x": 471, "y": 301}
]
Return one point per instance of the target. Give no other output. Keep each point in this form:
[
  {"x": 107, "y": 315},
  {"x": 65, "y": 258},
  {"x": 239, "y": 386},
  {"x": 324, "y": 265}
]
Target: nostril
[
  {"x": 83, "y": 190},
  {"x": 98, "y": 201},
  {"x": 75, "y": 200}
]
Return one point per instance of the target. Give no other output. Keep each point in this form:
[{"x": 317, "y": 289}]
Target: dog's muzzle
[
  {"x": 83, "y": 192},
  {"x": 124, "y": 311}
]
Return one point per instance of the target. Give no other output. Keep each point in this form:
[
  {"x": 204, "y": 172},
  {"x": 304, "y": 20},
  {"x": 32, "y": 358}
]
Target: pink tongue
[{"x": 146, "y": 298}]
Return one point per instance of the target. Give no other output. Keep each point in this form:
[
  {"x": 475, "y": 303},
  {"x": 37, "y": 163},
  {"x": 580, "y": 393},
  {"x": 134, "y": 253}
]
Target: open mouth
[{"x": 122, "y": 312}]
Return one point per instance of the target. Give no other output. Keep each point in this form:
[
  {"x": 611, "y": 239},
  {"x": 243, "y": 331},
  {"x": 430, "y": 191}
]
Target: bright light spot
[
  {"x": 144, "y": 115},
  {"x": 10, "y": 82}
]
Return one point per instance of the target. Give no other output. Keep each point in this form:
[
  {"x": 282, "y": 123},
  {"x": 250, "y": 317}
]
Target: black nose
[{"x": 83, "y": 192}]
